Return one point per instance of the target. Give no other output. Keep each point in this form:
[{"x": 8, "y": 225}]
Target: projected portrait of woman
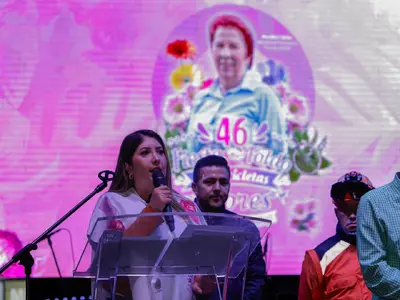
[{"x": 237, "y": 104}]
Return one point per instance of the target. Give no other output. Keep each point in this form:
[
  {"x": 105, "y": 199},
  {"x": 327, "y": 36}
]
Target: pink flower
[
  {"x": 294, "y": 223},
  {"x": 116, "y": 225},
  {"x": 9, "y": 246},
  {"x": 296, "y": 109},
  {"x": 282, "y": 89},
  {"x": 206, "y": 83},
  {"x": 311, "y": 206},
  {"x": 181, "y": 125},
  {"x": 312, "y": 223},
  {"x": 176, "y": 105},
  {"x": 292, "y": 126},
  {"x": 299, "y": 209},
  {"x": 191, "y": 92},
  {"x": 297, "y": 105},
  {"x": 176, "y": 108}
]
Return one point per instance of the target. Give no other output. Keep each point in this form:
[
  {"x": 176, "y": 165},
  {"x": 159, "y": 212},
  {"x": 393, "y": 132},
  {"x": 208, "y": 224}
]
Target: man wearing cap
[
  {"x": 378, "y": 240},
  {"x": 332, "y": 270}
]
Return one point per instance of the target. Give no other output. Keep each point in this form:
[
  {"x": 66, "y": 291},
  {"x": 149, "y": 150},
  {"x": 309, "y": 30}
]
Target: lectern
[{"x": 211, "y": 244}]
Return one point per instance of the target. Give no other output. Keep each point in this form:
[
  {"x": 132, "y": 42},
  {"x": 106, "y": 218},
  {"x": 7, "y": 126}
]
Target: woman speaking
[{"x": 132, "y": 192}]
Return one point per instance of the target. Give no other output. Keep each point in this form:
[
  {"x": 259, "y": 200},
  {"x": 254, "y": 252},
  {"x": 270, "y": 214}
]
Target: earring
[{"x": 131, "y": 176}]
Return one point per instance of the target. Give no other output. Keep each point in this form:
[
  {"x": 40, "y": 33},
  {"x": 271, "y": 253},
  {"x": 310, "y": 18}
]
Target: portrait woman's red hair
[{"x": 235, "y": 22}]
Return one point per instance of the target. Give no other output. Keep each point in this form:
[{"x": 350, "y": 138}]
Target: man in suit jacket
[{"x": 211, "y": 185}]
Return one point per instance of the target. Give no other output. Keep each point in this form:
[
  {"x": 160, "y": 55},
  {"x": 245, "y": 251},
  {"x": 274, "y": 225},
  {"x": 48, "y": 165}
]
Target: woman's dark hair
[{"x": 121, "y": 182}]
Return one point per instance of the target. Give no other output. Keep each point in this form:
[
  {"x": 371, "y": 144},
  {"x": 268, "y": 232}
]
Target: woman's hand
[
  {"x": 204, "y": 285},
  {"x": 160, "y": 197}
]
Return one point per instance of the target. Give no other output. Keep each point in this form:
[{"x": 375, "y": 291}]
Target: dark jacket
[{"x": 255, "y": 276}]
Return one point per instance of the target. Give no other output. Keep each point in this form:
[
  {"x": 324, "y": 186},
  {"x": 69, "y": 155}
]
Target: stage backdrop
[{"x": 77, "y": 76}]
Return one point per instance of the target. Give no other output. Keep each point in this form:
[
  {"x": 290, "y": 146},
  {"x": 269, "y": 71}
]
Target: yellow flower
[{"x": 183, "y": 75}]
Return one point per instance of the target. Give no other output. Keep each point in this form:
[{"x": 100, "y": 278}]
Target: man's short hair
[{"x": 209, "y": 161}]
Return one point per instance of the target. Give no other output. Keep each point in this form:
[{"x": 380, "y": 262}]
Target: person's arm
[
  {"x": 255, "y": 276},
  {"x": 108, "y": 206},
  {"x": 382, "y": 279},
  {"x": 311, "y": 280},
  {"x": 142, "y": 226}
]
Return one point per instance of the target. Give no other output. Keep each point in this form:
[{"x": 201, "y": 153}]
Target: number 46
[{"x": 238, "y": 133}]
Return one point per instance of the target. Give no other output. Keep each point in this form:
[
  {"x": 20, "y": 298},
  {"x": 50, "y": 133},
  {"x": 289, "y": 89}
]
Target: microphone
[{"x": 158, "y": 180}]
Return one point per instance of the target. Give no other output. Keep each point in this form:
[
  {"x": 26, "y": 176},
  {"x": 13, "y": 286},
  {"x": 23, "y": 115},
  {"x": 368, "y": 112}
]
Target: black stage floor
[{"x": 276, "y": 288}]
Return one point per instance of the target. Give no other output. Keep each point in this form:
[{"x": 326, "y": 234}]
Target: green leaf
[
  {"x": 305, "y": 136},
  {"x": 325, "y": 163},
  {"x": 169, "y": 153},
  {"x": 290, "y": 152},
  {"x": 302, "y": 228},
  {"x": 307, "y": 161},
  {"x": 294, "y": 175},
  {"x": 168, "y": 134},
  {"x": 171, "y": 133},
  {"x": 298, "y": 136}
]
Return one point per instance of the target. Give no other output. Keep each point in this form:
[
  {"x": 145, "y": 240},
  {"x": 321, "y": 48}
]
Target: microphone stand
[
  {"x": 265, "y": 255},
  {"x": 50, "y": 242},
  {"x": 54, "y": 254},
  {"x": 24, "y": 256}
]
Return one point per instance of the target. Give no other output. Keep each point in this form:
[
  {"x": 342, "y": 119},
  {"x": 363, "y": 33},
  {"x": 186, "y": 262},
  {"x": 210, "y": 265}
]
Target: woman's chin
[{"x": 227, "y": 74}]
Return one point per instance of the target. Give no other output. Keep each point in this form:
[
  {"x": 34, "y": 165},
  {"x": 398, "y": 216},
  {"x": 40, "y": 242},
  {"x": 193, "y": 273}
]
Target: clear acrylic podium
[{"x": 202, "y": 244}]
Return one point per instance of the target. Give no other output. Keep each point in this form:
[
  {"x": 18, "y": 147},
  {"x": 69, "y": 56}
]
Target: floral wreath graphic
[
  {"x": 304, "y": 217},
  {"x": 304, "y": 146}
]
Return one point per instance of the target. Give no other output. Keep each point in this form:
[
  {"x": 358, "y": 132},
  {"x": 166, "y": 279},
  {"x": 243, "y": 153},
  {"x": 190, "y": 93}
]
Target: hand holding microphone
[{"x": 162, "y": 197}]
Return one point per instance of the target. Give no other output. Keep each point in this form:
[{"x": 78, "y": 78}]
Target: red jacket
[{"x": 332, "y": 271}]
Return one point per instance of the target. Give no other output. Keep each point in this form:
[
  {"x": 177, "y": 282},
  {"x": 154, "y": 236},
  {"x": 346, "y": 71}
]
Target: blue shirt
[
  {"x": 378, "y": 240},
  {"x": 252, "y": 100}
]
